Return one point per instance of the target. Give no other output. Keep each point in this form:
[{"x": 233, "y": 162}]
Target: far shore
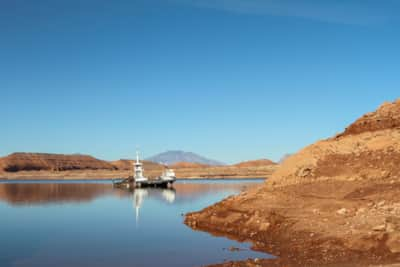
[{"x": 114, "y": 174}]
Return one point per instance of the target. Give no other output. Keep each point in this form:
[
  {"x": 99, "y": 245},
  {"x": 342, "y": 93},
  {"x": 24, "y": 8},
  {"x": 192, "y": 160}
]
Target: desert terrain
[
  {"x": 334, "y": 203},
  {"x": 56, "y": 166}
]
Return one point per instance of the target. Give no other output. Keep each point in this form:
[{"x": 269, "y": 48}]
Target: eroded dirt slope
[{"x": 334, "y": 203}]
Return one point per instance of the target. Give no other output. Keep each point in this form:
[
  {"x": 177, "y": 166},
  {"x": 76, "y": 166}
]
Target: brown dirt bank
[
  {"x": 334, "y": 203},
  {"x": 64, "y": 175},
  {"x": 329, "y": 223},
  {"x": 227, "y": 172},
  {"x": 183, "y": 173}
]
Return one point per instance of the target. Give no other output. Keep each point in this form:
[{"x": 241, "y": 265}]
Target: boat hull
[
  {"x": 154, "y": 183},
  {"x": 142, "y": 184}
]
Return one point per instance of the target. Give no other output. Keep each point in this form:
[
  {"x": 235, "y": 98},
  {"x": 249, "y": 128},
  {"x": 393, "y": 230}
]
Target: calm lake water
[{"x": 83, "y": 223}]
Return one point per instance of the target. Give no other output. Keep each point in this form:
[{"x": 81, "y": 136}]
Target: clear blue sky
[{"x": 231, "y": 80}]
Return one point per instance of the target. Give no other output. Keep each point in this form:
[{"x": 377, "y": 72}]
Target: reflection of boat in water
[
  {"x": 140, "y": 194},
  {"x": 138, "y": 180}
]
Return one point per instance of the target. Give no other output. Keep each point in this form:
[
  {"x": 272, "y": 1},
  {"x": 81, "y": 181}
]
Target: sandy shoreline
[
  {"x": 317, "y": 224},
  {"x": 53, "y": 178},
  {"x": 227, "y": 172}
]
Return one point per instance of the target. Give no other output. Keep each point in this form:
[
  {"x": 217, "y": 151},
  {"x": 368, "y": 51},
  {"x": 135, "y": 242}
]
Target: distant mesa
[
  {"x": 60, "y": 162},
  {"x": 52, "y": 162},
  {"x": 60, "y": 166},
  {"x": 175, "y": 156},
  {"x": 255, "y": 163},
  {"x": 20, "y": 161}
]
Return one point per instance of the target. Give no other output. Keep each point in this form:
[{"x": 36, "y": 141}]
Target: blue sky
[{"x": 231, "y": 80}]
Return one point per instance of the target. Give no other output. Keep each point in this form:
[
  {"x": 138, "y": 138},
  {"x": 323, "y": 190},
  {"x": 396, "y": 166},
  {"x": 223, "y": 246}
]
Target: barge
[{"x": 138, "y": 180}]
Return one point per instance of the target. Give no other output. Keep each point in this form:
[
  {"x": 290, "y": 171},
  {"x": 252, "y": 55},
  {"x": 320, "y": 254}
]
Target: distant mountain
[{"x": 176, "y": 156}]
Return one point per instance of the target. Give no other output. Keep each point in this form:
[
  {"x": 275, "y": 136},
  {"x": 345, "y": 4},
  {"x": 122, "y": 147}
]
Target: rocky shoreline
[
  {"x": 334, "y": 203},
  {"x": 227, "y": 172},
  {"x": 335, "y": 223}
]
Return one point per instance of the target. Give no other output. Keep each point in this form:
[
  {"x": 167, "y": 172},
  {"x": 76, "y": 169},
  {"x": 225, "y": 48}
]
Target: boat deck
[{"x": 130, "y": 182}]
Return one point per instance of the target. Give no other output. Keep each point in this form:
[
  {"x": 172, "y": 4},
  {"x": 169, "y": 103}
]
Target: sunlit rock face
[
  {"x": 368, "y": 149},
  {"x": 387, "y": 116},
  {"x": 335, "y": 202}
]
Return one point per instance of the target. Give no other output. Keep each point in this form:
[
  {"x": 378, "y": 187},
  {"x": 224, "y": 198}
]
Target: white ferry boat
[{"x": 138, "y": 180}]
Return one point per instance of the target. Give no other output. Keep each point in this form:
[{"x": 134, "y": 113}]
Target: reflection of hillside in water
[
  {"x": 191, "y": 190},
  {"x": 37, "y": 193},
  {"x": 42, "y": 193}
]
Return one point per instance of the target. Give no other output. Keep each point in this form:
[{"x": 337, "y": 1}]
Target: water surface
[{"x": 80, "y": 223}]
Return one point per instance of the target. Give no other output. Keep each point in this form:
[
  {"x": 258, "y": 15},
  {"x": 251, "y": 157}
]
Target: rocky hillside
[
  {"x": 368, "y": 149},
  {"x": 386, "y": 117},
  {"x": 334, "y": 203},
  {"x": 52, "y": 162}
]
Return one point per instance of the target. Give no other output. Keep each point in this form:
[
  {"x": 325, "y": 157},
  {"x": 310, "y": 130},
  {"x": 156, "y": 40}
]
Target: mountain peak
[
  {"x": 387, "y": 116},
  {"x": 174, "y": 156}
]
